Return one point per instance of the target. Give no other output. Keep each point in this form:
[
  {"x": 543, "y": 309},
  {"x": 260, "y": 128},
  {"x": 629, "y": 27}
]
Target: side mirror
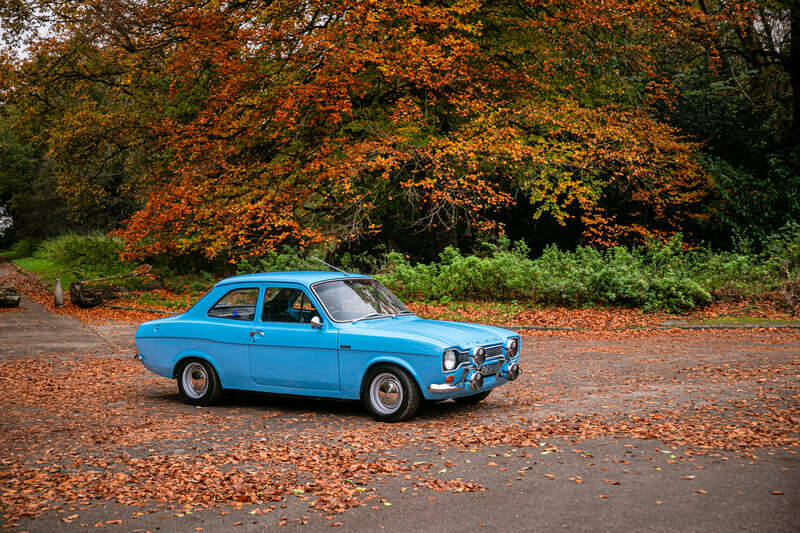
[{"x": 316, "y": 322}]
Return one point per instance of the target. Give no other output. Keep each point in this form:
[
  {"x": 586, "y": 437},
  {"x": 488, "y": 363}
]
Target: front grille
[
  {"x": 490, "y": 351},
  {"x": 493, "y": 351}
]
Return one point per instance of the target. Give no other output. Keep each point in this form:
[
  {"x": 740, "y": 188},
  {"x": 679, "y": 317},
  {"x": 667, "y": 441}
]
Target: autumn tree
[{"x": 226, "y": 129}]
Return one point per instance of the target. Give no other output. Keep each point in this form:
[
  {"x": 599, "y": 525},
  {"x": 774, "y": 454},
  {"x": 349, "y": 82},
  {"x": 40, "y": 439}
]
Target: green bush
[
  {"x": 20, "y": 249},
  {"x": 658, "y": 276},
  {"x": 74, "y": 257},
  {"x": 93, "y": 255},
  {"x": 502, "y": 275},
  {"x": 729, "y": 275},
  {"x": 288, "y": 259},
  {"x": 195, "y": 282},
  {"x": 782, "y": 261}
]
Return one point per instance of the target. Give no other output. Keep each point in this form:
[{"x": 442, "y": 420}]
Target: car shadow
[
  {"x": 290, "y": 405},
  {"x": 265, "y": 402}
]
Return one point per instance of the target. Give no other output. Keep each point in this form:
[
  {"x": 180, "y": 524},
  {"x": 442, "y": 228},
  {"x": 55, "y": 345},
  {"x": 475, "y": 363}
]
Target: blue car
[{"x": 325, "y": 334}]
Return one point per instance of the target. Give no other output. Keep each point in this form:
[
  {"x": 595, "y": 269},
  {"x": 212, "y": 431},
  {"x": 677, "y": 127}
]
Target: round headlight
[
  {"x": 450, "y": 360},
  {"x": 478, "y": 355},
  {"x": 512, "y": 348}
]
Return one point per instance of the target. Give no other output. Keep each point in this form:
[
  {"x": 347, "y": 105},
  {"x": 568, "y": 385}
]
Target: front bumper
[{"x": 469, "y": 382}]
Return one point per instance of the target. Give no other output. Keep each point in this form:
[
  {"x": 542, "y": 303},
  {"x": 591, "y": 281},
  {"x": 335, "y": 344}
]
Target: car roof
[{"x": 306, "y": 277}]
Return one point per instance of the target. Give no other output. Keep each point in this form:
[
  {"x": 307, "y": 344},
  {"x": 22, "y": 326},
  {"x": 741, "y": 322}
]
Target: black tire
[
  {"x": 395, "y": 385},
  {"x": 198, "y": 382},
  {"x": 473, "y": 398}
]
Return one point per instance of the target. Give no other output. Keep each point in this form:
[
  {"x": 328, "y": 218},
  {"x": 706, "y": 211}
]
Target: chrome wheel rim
[
  {"x": 386, "y": 393},
  {"x": 195, "y": 380}
]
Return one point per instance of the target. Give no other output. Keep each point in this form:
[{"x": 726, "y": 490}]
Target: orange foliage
[{"x": 270, "y": 123}]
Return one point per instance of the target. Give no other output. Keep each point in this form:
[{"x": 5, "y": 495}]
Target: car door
[
  {"x": 286, "y": 351},
  {"x": 223, "y": 334}
]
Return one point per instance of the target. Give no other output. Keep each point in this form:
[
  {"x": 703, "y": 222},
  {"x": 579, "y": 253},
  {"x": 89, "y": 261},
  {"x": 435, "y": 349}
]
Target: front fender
[{"x": 416, "y": 365}]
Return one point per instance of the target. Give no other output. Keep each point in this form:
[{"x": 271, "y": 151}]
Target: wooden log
[
  {"x": 9, "y": 297},
  {"x": 91, "y": 295},
  {"x": 94, "y": 292}
]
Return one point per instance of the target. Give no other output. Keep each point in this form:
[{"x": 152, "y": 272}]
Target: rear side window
[{"x": 238, "y": 304}]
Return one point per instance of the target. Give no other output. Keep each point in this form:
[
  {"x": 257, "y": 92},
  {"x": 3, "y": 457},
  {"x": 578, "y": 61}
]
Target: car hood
[{"x": 445, "y": 334}]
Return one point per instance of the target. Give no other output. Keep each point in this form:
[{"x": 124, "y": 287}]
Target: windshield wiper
[
  {"x": 406, "y": 312},
  {"x": 369, "y": 315}
]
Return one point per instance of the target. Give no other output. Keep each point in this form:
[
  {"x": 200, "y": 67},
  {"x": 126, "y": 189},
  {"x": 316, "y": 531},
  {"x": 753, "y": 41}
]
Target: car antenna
[{"x": 329, "y": 265}]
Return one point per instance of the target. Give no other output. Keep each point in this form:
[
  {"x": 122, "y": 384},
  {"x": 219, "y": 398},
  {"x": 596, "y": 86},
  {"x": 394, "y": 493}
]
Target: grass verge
[{"x": 47, "y": 271}]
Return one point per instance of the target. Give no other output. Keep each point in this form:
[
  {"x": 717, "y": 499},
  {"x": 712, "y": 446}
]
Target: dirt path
[{"x": 32, "y": 329}]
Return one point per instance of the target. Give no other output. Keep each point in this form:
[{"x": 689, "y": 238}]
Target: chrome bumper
[
  {"x": 444, "y": 387},
  {"x": 465, "y": 382}
]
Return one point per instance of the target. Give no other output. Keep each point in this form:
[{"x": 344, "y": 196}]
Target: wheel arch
[
  {"x": 387, "y": 361},
  {"x": 191, "y": 355}
]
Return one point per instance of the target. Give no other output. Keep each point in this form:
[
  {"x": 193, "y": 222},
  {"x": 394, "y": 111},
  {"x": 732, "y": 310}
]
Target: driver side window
[{"x": 287, "y": 305}]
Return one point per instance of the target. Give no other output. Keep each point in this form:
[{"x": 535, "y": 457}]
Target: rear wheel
[
  {"x": 391, "y": 394},
  {"x": 473, "y": 398},
  {"x": 198, "y": 382}
]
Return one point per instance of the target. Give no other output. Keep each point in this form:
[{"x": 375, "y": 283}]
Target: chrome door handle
[{"x": 254, "y": 333}]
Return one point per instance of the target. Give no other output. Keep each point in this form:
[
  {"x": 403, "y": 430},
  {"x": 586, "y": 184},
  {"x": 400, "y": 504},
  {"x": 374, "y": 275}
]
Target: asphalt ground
[{"x": 666, "y": 430}]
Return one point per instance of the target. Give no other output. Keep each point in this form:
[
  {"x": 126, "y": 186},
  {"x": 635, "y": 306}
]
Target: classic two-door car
[{"x": 326, "y": 335}]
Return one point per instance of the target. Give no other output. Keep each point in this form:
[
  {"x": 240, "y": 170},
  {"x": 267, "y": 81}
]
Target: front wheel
[
  {"x": 391, "y": 394},
  {"x": 472, "y": 399},
  {"x": 198, "y": 382}
]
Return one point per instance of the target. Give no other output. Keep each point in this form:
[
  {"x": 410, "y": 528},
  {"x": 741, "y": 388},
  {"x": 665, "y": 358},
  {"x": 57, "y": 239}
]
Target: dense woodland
[{"x": 216, "y": 131}]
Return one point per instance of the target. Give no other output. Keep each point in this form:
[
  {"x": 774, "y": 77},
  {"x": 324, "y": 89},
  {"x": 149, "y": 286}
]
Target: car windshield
[{"x": 352, "y": 299}]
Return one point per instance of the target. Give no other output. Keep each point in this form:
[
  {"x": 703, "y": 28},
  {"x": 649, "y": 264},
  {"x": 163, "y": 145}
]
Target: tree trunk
[{"x": 794, "y": 69}]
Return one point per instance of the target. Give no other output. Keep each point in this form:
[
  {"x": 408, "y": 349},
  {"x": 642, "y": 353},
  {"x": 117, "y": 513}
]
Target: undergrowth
[{"x": 659, "y": 276}]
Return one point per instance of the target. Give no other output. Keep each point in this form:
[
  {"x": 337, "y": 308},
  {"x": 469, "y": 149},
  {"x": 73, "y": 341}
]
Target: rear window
[{"x": 238, "y": 304}]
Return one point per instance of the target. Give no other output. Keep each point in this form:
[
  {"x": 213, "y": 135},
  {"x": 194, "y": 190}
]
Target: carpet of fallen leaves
[
  {"x": 595, "y": 318},
  {"x": 82, "y": 429},
  {"x": 79, "y": 429}
]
